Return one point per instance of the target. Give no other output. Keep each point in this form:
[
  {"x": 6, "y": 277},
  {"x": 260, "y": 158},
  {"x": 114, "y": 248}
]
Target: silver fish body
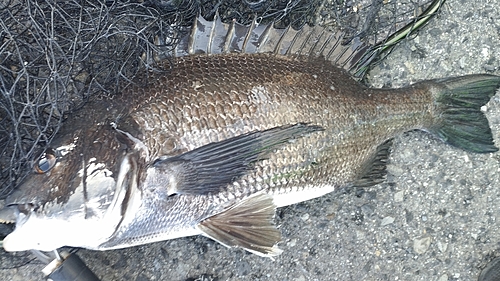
[{"x": 215, "y": 145}]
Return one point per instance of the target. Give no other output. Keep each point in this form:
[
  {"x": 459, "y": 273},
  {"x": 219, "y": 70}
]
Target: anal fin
[
  {"x": 247, "y": 224},
  {"x": 375, "y": 169}
]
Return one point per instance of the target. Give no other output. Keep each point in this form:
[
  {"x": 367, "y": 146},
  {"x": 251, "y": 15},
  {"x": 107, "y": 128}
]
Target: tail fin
[{"x": 462, "y": 123}]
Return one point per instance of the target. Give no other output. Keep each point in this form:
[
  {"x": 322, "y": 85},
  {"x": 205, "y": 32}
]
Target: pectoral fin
[
  {"x": 210, "y": 168},
  {"x": 248, "y": 224}
]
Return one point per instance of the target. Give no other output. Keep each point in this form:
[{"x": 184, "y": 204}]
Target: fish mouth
[
  {"x": 11, "y": 214},
  {"x": 36, "y": 232},
  {"x": 8, "y": 216}
]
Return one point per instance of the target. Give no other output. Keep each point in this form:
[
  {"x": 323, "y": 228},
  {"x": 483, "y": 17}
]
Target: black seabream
[{"x": 250, "y": 118}]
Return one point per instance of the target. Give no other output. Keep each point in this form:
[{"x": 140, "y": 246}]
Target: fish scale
[{"x": 232, "y": 118}]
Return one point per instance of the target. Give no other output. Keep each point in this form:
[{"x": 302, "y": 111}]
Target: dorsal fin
[
  {"x": 354, "y": 55},
  {"x": 216, "y": 37}
]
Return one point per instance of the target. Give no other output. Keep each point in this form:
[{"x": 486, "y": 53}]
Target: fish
[{"x": 249, "y": 119}]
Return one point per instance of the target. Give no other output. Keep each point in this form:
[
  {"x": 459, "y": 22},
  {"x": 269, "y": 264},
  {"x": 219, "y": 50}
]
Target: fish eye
[
  {"x": 46, "y": 162},
  {"x": 26, "y": 208}
]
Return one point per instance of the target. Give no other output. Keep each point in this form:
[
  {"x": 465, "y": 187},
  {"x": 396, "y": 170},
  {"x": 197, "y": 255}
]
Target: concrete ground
[{"x": 435, "y": 218}]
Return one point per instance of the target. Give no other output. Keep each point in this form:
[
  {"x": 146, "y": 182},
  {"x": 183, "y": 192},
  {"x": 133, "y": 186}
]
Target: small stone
[
  {"x": 330, "y": 216},
  {"x": 462, "y": 63},
  {"x": 489, "y": 67},
  {"x": 445, "y": 65},
  {"x": 410, "y": 67},
  {"x": 399, "y": 196},
  {"x": 485, "y": 52},
  {"x": 300, "y": 278},
  {"x": 395, "y": 170},
  {"x": 387, "y": 220},
  {"x": 443, "y": 277},
  {"x": 305, "y": 217},
  {"x": 442, "y": 246},
  {"x": 421, "y": 245}
]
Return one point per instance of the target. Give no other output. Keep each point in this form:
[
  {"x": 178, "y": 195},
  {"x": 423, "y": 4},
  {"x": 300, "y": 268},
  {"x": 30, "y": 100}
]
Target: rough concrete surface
[{"x": 435, "y": 218}]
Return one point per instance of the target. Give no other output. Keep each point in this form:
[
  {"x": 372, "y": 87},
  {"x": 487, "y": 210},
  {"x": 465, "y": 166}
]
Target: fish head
[{"x": 65, "y": 200}]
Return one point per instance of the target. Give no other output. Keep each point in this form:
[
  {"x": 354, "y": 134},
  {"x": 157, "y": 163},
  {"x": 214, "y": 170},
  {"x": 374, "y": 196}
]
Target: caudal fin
[{"x": 461, "y": 122}]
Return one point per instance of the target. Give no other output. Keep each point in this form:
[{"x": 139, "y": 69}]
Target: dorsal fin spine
[
  {"x": 212, "y": 33},
  {"x": 335, "y": 46},
  {"x": 192, "y": 37},
  {"x": 323, "y": 46},
  {"x": 317, "y": 40},
  {"x": 248, "y": 35},
  {"x": 280, "y": 42},
  {"x": 264, "y": 37},
  {"x": 355, "y": 53},
  {"x": 304, "y": 42},
  {"x": 356, "y": 49},
  {"x": 340, "y": 54},
  {"x": 229, "y": 37}
]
